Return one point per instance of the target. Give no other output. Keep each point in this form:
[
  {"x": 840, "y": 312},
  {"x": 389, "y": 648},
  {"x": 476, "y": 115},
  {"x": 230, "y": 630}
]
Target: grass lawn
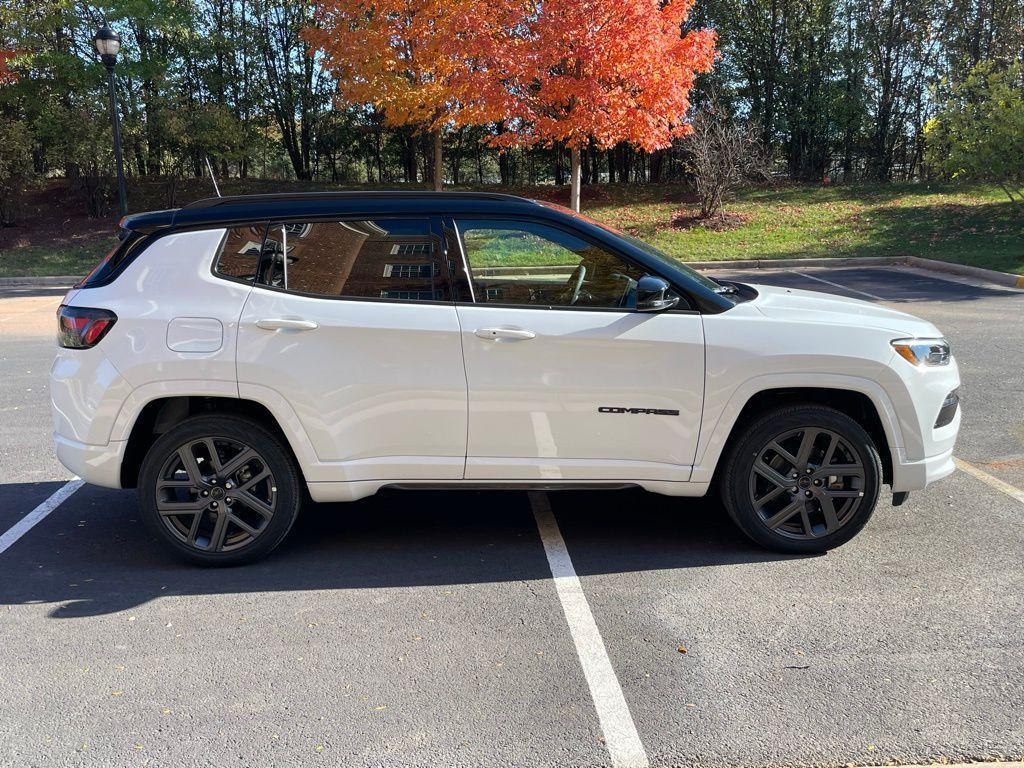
[
  {"x": 976, "y": 226},
  {"x": 973, "y": 225}
]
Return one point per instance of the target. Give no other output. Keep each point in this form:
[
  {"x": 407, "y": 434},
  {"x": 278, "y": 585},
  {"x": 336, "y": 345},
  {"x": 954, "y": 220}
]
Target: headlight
[{"x": 923, "y": 351}]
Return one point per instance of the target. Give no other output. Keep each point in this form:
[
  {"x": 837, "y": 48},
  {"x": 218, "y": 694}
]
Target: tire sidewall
[
  {"x": 249, "y": 433},
  {"x": 741, "y": 460}
]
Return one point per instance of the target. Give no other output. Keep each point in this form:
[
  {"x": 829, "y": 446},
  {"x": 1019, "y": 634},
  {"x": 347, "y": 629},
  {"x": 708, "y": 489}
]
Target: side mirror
[{"x": 650, "y": 295}]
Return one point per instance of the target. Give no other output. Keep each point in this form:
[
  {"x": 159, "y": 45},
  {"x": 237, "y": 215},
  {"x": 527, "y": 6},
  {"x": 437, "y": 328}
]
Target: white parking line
[
  {"x": 836, "y": 285},
  {"x": 26, "y": 523},
  {"x": 995, "y": 482},
  {"x": 620, "y": 735}
]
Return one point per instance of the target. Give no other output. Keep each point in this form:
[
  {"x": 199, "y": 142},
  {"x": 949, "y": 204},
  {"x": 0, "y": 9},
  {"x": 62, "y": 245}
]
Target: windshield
[{"x": 650, "y": 250}]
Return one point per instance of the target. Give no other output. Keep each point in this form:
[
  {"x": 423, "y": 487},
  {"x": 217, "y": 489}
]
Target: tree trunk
[
  {"x": 438, "y": 167},
  {"x": 574, "y": 178}
]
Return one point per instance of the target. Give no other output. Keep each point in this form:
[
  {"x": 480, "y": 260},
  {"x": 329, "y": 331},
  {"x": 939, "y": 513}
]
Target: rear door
[
  {"x": 566, "y": 379},
  {"x": 354, "y": 329}
]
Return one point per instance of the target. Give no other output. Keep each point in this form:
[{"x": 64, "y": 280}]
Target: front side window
[
  {"x": 529, "y": 264},
  {"x": 392, "y": 259}
]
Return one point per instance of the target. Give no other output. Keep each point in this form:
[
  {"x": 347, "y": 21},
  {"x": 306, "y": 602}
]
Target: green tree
[{"x": 978, "y": 134}]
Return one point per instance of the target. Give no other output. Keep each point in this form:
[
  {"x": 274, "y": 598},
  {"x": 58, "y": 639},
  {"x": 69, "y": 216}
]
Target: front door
[
  {"x": 353, "y": 329},
  {"x": 566, "y": 380}
]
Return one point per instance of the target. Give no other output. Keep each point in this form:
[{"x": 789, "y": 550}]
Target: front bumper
[
  {"x": 96, "y": 464},
  {"x": 915, "y": 475}
]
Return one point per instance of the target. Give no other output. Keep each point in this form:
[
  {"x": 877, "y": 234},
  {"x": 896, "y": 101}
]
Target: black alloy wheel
[
  {"x": 802, "y": 479},
  {"x": 219, "y": 490}
]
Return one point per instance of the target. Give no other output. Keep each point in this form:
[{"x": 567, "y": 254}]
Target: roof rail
[{"x": 210, "y": 202}]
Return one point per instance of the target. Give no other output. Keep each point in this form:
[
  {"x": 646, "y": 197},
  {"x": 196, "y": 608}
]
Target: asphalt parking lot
[{"x": 420, "y": 628}]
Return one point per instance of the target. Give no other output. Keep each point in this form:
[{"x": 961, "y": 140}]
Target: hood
[{"x": 813, "y": 307}]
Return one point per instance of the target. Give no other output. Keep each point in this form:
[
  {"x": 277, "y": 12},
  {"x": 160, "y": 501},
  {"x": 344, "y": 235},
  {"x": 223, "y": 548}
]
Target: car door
[
  {"x": 567, "y": 381},
  {"x": 353, "y": 330}
]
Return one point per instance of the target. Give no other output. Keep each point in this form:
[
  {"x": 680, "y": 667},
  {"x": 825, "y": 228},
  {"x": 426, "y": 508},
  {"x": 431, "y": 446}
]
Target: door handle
[
  {"x": 504, "y": 333},
  {"x": 286, "y": 323}
]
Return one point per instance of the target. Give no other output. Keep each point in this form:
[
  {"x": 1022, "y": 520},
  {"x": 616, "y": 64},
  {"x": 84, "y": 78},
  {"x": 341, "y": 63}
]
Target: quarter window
[
  {"x": 381, "y": 259},
  {"x": 240, "y": 255},
  {"x": 528, "y": 264}
]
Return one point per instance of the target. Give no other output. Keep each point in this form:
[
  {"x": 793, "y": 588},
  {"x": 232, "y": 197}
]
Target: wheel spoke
[
  {"x": 805, "y": 520},
  {"x": 806, "y": 445},
  {"x": 246, "y": 455},
  {"x": 844, "y": 494},
  {"x": 236, "y": 520},
  {"x": 188, "y": 461},
  {"x": 828, "y": 509},
  {"x": 256, "y": 505},
  {"x": 253, "y": 481},
  {"x": 769, "y": 496},
  {"x": 832, "y": 443},
  {"x": 784, "y": 514},
  {"x": 171, "y": 508},
  {"x": 220, "y": 528},
  {"x": 774, "y": 446},
  {"x": 214, "y": 458},
  {"x": 193, "y": 529},
  {"x": 771, "y": 475}
]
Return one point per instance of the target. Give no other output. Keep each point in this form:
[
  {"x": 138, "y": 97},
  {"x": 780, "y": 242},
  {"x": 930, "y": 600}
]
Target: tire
[
  {"x": 213, "y": 527},
  {"x": 827, "y": 508}
]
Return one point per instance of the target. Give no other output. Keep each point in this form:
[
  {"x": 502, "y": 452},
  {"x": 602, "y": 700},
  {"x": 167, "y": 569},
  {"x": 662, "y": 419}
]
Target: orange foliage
[
  {"x": 389, "y": 53},
  {"x": 611, "y": 70},
  {"x": 7, "y": 75},
  {"x": 546, "y": 70}
]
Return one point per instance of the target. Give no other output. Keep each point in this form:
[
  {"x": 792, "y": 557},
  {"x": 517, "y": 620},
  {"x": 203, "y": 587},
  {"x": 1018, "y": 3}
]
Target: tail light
[{"x": 82, "y": 327}]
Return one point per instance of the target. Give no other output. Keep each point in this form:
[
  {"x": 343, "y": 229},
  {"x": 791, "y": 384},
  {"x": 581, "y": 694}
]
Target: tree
[
  {"x": 978, "y": 135},
  {"x": 607, "y": 71},
  {"x": 722, "y": 155},
  {"x": 394, "y": 55}
]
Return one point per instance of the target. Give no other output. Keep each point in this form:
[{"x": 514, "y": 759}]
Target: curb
[
  {"x": 59, "y": 281},
  {"x": 999, "y": 278},
  {"x": 990, "y": 275}
]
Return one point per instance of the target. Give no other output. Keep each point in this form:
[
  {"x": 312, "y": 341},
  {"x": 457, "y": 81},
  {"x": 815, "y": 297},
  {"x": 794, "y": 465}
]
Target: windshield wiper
[{"x": 726, "y": 289}]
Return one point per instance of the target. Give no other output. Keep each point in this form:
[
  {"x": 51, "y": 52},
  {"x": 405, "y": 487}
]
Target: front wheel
[
  {"x": 219, "y": 490},
  {"x": 802, "y": 479}
]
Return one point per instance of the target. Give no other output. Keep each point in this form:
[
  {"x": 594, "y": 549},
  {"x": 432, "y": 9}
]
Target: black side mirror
[{"x": 651, "y": 295}]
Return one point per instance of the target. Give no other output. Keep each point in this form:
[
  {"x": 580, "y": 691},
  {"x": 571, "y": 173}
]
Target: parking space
[{"x": 420, "y": 628}]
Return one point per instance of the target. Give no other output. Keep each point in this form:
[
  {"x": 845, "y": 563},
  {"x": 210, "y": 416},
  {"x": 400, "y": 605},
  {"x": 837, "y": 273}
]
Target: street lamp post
[{"x": 108, "y": 44}]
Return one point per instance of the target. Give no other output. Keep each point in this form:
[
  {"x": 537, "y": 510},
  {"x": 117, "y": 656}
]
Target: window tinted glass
[
  {"x": 379, "y": 259},
  {"x": 240, "y": 256},
  {"x": 112, "y": 263},
  {"x": 536, "y": 265}
]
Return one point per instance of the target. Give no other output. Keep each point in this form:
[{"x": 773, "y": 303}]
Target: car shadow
[{"x": 93, "y": 555}]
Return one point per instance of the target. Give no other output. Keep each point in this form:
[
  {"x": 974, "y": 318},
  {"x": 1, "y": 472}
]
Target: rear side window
[
  {"x": 114, "y": 262},
  {"x": 240, "y": 256},
  {"x": 389, "y": 259}
]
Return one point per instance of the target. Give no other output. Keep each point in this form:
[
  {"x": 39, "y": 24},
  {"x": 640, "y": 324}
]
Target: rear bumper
[{"x": 96, "y": 464}]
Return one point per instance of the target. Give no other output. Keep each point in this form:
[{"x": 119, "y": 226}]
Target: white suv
[{"x": 231, "y": 356}]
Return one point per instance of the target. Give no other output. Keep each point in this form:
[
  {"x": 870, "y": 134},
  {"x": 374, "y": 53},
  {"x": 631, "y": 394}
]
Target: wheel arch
[
  {"x": 860, "y": 399},
  {"x": 161, "y": 414}
]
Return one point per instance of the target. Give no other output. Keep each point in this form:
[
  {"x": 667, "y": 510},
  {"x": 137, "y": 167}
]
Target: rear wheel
[
  {"x": 802, "y": 479},
  {"x": 219, "y": 490}
]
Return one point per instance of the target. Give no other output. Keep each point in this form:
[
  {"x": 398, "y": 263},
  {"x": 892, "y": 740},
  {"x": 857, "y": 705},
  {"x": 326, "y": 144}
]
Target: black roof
[{"x": 225, "y": 210}]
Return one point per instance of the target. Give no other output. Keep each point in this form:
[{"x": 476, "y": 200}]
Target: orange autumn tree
[
  {"x": 394, "y": 55},
  {"x": 574, "y": 70}
]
